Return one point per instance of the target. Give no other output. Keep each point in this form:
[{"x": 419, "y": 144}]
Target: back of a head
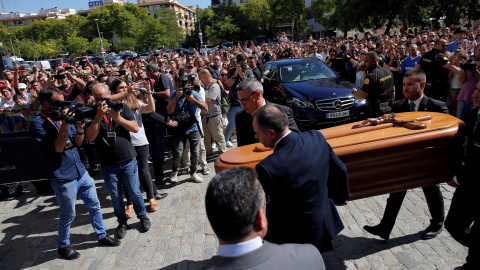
[
  {"x": 241, "y": 57},
  {"x": 47, "y": 94},
  {"x": 271, "y": 117},
  {"x": 232, "y": 202},
  {"x": 152, "y": 66}
]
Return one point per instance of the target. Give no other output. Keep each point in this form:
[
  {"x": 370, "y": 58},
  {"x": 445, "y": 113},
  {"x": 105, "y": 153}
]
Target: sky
[{"x": 25, "y": 6}]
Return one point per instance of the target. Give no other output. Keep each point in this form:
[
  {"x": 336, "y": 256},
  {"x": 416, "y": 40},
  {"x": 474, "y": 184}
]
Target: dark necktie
[{"x": 412, "y": 106}]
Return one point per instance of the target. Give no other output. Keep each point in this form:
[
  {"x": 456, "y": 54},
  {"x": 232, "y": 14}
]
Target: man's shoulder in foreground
[{"x": 271, "y": 256}]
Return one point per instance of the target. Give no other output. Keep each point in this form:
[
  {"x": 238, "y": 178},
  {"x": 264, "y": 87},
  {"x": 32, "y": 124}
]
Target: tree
[
  {"x": 169, "y": 21},
  {"x": 126, "y": 44},
  {"x": 76, "y": 45},
  {"x": 94, "y": 45}
]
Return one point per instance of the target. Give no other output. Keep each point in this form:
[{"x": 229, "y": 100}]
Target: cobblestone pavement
[{"x": 180, "y": 237}]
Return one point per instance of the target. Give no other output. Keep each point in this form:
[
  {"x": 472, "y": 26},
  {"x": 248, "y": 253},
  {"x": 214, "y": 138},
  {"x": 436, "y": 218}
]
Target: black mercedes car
[{"x": 318, "y": 96}]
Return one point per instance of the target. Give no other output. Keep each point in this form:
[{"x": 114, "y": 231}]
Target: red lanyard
[
  {"x": 48, "y": 118},
  {"x": 108, "y": 123}
]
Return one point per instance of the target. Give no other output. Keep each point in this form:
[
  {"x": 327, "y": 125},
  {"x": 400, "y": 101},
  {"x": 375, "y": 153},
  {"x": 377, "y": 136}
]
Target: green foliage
[
  {"x": 124, "y": 27},
  {"x": 94, "y": 45},
  {"x": 126, "y": 44}
]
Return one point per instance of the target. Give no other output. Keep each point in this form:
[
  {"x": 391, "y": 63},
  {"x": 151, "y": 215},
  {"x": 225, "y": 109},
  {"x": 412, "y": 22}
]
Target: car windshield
[{"x": 306, "y": 71}]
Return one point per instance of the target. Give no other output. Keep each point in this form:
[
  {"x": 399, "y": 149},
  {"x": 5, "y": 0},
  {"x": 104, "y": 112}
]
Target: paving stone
[{"x": 181, "y": 237}]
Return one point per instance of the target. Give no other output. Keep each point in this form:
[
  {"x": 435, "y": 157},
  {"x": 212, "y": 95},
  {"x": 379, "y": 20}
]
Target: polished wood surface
[{"x": 380, "y": 159}]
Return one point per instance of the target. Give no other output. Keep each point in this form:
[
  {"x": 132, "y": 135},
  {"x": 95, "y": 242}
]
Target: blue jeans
[
  {"x": 463, "y": 109},
  {"x": 126, "y": 173},
  {"x": 231, "y": 121},
  {"x": 66, "y": 192}
]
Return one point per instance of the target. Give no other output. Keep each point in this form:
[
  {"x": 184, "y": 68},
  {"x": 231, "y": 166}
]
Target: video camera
[
  {"x": 470, "y": 64},
  {"x": 187, "y": 89},
  {"x": 80, "y": 112},
  {"x": 114, "y": 105}
]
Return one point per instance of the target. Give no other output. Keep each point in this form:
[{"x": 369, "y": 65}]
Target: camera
[
  {"x": 114, "y": 105},
  {"x": 470, "y": 64},
  {"x": 187, "y": 89},
  {"x": 243, "y": 66},
  {"x": 80, "y": 112}
]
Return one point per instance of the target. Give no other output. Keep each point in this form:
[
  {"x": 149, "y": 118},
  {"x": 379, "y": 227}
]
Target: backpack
[{"x": 224, "y": 103}]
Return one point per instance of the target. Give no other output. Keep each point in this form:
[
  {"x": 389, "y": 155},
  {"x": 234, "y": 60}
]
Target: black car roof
[{"x": 285, "y": 62}]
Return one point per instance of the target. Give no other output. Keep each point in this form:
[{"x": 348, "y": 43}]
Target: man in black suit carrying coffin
[
  {"x": 250, "y": 96},
  {"x": 413, "y": 86},
  {"x": 304, "y": 179}
]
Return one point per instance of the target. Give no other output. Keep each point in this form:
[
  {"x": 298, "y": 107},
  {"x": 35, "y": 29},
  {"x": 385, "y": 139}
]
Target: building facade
[{"x": 21, "y": 19}]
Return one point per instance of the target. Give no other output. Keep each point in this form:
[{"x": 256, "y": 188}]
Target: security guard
[
  {"x": 378, "y": 87},
  {"x": 436, "y": 66},
  {"x": 339, "y": 63}
]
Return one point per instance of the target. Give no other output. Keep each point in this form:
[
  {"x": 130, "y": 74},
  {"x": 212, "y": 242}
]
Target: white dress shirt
[{"x": 240, "y": 248}]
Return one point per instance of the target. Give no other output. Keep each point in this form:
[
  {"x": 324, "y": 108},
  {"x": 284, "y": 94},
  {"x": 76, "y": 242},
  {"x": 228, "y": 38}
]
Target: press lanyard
[
  {"x": 48, "y": 118},
  {"x": 108, "y": 123}
]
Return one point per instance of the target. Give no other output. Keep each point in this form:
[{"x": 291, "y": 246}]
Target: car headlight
[{"x": 302, "y": 103}]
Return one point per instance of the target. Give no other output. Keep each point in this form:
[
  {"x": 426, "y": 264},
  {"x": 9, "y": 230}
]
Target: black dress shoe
[
  {"x": 431, "y": 231},
  {"x": 121, "y": 230},
  {"x": 145, "y": 223},
  {"x": 68, "y": 253},
  {"x": 377, "y": 230},
  {"x": 109, "y": 241},
  {"x": 160, "y": 196}
]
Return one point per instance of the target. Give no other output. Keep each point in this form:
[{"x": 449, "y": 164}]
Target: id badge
[
  {"x": 111, "y": 137},
  {"x": 68, "y": 144}
]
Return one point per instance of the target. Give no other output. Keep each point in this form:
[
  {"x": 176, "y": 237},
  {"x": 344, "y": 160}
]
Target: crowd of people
[{"x": 196, "y": 106}]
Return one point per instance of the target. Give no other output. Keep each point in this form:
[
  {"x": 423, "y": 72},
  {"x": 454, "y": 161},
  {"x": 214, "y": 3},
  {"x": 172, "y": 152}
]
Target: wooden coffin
[{"x": 381, "y": 159}]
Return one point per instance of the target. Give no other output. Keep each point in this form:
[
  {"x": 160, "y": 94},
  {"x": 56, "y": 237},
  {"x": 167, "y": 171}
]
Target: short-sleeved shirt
[
  {"x": 162, "y": 83},
  {"x": 232, "y": 93},
  {"x": 65, "y": 166},
  {"x": 72, "y": 93},
  {"x": 119, "y": 149},
  {"x": 410, "y": 62},
  {"x": 432, "y": 63},
  {"x": 340, "y": 63},
  {"x": 139, "y": 138},
  {"x": 212, "y": 91},
  {"x": 189, "y": 106},
  {"x": 378, "y": 84}
]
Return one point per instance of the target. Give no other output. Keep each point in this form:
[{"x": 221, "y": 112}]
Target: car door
[{"x": 270, "y": 81}]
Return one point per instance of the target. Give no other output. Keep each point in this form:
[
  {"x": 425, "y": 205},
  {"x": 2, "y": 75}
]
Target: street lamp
[
  {"x": 10, "y": 36},
  {"x": 101, "y": 43}
]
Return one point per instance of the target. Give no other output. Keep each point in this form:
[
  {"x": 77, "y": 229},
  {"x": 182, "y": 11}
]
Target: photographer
[
  {"x": 234, "y": 76},
  {"x": 66, "y": 172},
  {"x": 183, "y": 104},
  {"x": 469, "y": 78},
  {"x": 111, "y": 132}
]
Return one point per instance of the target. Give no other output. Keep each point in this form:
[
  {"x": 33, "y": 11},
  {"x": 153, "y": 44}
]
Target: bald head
[{"x": 99, "y": 91}]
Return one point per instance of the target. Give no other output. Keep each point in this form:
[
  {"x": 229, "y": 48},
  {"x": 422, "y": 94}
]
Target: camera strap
[{"x": 50, "y": 120}]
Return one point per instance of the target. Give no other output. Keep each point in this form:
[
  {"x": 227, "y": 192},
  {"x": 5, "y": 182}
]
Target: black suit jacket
[
  {"x": 245, "y": 132},
  {"x": 304, "y": 179},
  {"x": 427, "y": 104},
  {"x": 271, "y": 256},
  {"x": 468, "y": 173}
]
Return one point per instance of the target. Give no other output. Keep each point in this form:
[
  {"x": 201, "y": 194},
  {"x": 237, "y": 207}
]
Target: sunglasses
[{"x": 223, "y": 75}]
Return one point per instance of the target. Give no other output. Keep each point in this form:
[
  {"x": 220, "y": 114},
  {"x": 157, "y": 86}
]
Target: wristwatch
[{"x": 80, "y": 133}]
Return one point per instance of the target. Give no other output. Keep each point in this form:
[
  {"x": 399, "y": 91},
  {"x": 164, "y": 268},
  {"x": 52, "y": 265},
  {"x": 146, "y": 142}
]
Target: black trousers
[
  {"x": 463, "y": 212},
  {"x": 434, "y": 198}
]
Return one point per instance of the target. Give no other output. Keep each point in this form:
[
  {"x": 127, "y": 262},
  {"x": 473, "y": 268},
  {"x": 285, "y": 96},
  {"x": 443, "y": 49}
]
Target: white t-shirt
[
  {"x": 8, "y": 104},
  {"x": 139, "y": 138}
]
